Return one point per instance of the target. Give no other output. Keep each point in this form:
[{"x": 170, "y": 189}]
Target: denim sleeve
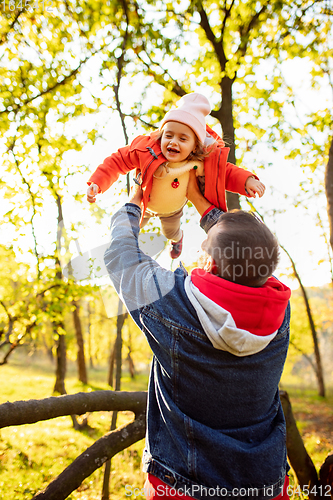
[
  {"x": 138, "y": 279},
  {"x": 210, "y": 219}
]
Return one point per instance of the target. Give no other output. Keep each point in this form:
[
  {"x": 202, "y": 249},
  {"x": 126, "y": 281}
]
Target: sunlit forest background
[{"x": 79, "y": 80}]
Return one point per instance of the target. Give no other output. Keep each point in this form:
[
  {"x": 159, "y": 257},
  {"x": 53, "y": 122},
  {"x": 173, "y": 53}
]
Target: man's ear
[
  {"x": 215, "y": 269},
  {"x": 211, "y": 267}
]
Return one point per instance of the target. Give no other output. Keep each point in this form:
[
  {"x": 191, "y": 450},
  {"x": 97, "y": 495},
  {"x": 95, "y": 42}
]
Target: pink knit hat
[{"x": 191, "y": 110}]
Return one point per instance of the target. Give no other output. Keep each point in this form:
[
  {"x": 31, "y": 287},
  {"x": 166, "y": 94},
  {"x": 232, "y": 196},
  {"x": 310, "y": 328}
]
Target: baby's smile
[{"x": 172, "y": 150}]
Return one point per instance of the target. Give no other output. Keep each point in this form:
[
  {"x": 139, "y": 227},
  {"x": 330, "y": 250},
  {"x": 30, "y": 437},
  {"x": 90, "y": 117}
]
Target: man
[{"x": 215, "y": 425}]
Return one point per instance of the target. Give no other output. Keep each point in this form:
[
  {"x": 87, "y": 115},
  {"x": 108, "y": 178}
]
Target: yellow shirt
[{"x": 164, "y": 198}]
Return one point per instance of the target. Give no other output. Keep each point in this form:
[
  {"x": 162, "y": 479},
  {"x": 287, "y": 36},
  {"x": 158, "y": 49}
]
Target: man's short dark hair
[{"x": 245, "y": 250}]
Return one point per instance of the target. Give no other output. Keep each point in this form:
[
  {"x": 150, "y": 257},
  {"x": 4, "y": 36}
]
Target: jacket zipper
[{"x": 155, "y": 157}]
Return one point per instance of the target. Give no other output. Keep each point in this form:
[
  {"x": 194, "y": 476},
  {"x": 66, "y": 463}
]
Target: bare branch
[
  {"x": 216, "y": 43},
  {"x": 12, "y": 348},
  {"x": 4, "y": 35},
  {"x": 24, "y": 180},
  {"x": 306, "y": 356},
  {"x": 17, "y": 342},
  {"x": 136, "y": 117},
  {"x": 244, "y": 34},
  {"x": 116, "y": 87},
  {"x": 227, "y": 14},
  {"x": 93, "y": 458},
  {"x": 11, "y": 321},
  {"x": 43, "y": 292},
  {"x": 48, "y": 90},
  {"x": 326, "y": 236},
  {"x": 7, "y": 312},
  {"x": 32, "y": 411},
  {"x": 57, "y": 84},
  {"x": 176, "y": 88}
]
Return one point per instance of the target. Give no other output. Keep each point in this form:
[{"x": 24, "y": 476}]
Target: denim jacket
[{"x": 215, "y": 425}]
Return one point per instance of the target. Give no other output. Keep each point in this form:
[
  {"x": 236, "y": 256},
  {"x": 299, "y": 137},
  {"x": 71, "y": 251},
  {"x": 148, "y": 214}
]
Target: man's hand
[
  {"x": 194, "y": 194},
  {"x": 135, "y": 195},
  {"x": 193, "y": 191},
  {"x": 254, "y": 187},
  {"x": 91, "y": 193}
]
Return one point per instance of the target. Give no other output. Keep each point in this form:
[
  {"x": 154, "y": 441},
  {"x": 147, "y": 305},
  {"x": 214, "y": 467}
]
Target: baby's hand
[
  {"x": 91, "y": 193},
  {"x": 253, "y": 187}
]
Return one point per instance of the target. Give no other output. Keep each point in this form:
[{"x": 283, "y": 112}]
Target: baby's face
[{"x": 177, "y": 141}]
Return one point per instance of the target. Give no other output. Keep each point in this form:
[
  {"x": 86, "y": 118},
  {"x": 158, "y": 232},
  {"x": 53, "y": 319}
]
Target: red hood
[{"x": 259, "y": 310}]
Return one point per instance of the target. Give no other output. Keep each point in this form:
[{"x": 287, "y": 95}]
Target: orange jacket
[{"x": 144, "y": 154}]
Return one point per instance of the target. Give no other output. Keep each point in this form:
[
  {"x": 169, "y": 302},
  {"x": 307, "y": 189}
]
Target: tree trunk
[
  {"x": 118, "y": 359},
  {"x": 91, "y": 361},
  {"x": 131, "y": 366},
  {"x": 59, "y": 385},
  {"x": 329, "y": 190},
  {"x": 225, "y": 116},
  {"x": 119, "y": 344},
  {"x": 298, "y": 457},
  {"x": 111, "y": 364},
  {"x": 48, "y": 349},
  {"x": 107, "y": 468},
  {"x": 326, "y": 477},
  {"x": 81, "y": 361},
  {"x": 319, "y": 367}
]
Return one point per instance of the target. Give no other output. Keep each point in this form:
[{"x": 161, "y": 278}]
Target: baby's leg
[
  {"x": 171, "y": 226},
  {"x": 145, "y": 219}
]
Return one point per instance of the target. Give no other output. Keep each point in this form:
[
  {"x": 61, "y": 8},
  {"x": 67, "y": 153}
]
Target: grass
[{"x": 32, "y": 455}]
